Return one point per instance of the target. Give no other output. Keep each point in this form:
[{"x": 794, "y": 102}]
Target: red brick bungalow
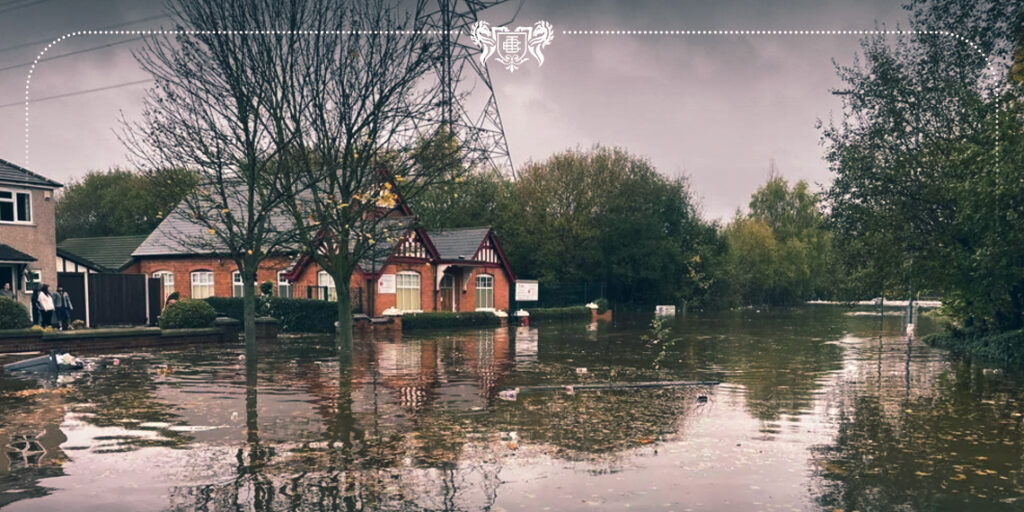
[{"x": 444, "y": 270}]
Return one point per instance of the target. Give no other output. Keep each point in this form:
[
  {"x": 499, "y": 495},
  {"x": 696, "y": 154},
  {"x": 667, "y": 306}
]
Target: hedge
[
  {"x": 230, "y": 307},
  {"x": 295, "y": 315},
  {"x": 13, "y": 314},
  {"x": 187, "y": 314},
  {"x": 304, "y": 315},
  {"x": 1005, "y": 348},
  {"x": 567, "y": 313},
  {"x": 449, "y": 319}
]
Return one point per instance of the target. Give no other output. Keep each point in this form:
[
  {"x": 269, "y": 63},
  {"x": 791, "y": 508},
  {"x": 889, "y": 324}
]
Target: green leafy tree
[
  {"x": 781, "y": 252},
  {"x": 924, "y": 198},
  {"x": 119, "y": 202},
  {"x": 605, "y": 215}
]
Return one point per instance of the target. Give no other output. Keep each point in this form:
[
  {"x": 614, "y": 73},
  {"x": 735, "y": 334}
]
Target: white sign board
[
  {"x": 665, "y": 310},
  {"x": 386, "y": 284},
  {"x": 526, "y": 290}
]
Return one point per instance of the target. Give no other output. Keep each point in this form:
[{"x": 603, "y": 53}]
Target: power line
[
  {"x": 22, "y": 6},
  {"x": 69, "y": 54},
  {"x": 108, "y": 27},
  {"x": 77, "y": 93}
]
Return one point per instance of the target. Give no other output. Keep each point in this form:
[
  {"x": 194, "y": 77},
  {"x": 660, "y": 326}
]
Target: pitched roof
[
  {"x": 10, "y": 173},
  {"x": 461, "y": 243},
  {"x": 171, "y": 236},
  {"x": 111, "y": 253},
  {"x": 179, "y": 235},
  {"x": 8, "y": 253}
]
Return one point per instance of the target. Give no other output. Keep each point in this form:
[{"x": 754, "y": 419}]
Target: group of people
[{"x": 51, "y": 308}]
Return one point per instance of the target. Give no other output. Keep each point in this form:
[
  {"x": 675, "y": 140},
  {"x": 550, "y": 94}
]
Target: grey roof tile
[
  {"x": 11, "y": 173},
  {"x": 110, "y": 252},
  {"x": 8, "y": 253},
  {"x": 453, "y": 244}
]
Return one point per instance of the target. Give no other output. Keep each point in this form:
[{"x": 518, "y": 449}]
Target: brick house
[
  {"x": 442, "y": 270},
  {"x": 28, "y": 244}
]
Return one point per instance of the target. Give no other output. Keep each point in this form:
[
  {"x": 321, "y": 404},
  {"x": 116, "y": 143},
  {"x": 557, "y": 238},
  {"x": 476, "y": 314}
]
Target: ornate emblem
[{"x": 512, "y": 46}]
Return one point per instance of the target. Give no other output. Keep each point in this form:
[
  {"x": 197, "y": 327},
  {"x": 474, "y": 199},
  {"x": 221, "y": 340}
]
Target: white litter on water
[
  {"x": 154, "y": 424},
  {"x": 194, "y": 428}
]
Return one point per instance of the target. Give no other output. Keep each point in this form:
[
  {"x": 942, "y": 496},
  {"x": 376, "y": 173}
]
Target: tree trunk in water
[
  {"x": 249, "y": 309},
  {"x": 344, "y": 316},
  {"x": 251, "y": 405}
]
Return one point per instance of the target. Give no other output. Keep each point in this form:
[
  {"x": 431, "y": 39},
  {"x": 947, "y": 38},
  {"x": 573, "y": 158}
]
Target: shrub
[
  {"x": 13, "y": 314},
  {"x": 448, "y": 319},
  {"x": 1006, "y": 348},
  {"x": 304, "y": 315},
  {"x": 602, "y": 305},
  {"x": 294, "y": 315},
  {"x": 267, "y": 288},
  {"x": 187, "y": 314},
  {"x": 231, "y": 307},
  {"x": 567, "y": 313}
]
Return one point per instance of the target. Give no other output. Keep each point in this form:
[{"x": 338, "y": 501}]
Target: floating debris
[{"x": 570, "y": 388}]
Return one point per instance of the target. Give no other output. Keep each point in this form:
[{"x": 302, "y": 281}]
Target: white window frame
[
  {"x": 13, "y": 201},
  {"x": 237, "y": 286},
  {"x": 401, "y": 286},
  {"x": 285, "y": 284},
  {"x": 324, "y": 280},
  {"x": 194, "y": 275},
  {"x": 489, "y": 289},
  {"x": 166, "y": 278}
]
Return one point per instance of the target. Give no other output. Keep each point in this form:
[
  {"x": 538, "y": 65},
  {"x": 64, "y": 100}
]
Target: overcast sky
[{"x": 714, "y": 108}]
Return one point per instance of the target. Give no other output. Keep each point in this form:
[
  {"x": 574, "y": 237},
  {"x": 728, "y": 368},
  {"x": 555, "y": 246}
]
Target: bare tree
[
  {"x": 229, "y": 90},
  {"x": 375, "y": 132}
]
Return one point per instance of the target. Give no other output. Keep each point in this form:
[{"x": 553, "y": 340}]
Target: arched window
[
  {"x": 202, "y": 284},
  {"x": 407, "y": 285},
  {"x": 484, "y": 292},
  {"x": 284, "y": 286},
  {"x": 325, "y": 286},
  {"x": 236, "y": 284},
  {"x": 166, "y": 277}
]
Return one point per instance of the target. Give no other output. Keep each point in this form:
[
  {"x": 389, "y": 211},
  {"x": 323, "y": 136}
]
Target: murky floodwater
[{"x": 817, "y": 409}]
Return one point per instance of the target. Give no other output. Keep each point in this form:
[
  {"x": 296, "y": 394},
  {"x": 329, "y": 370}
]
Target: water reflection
[
  {"x": 811, "y": 399},
  {"x": 916, "y": 432}
]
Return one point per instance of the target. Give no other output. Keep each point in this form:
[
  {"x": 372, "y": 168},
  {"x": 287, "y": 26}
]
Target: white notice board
[
  {"x": 386, "y": 283},
  {"x": 526, "y": 290}
]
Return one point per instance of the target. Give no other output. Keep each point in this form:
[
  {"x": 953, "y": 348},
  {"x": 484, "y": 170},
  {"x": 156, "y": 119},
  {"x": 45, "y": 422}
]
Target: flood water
[{"x": 819, "y": 408}]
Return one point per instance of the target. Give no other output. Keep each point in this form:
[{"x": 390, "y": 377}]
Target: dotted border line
[
  {"x": 992, "y": 71},
  {"x": 946, "y": 33},
  {"x": 69, "y": 35}
]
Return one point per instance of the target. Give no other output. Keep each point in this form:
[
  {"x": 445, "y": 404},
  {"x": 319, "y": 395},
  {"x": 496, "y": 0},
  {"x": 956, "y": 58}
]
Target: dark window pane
[
  {"x": 5, "y": 195},
  {"x": 6, "y": 211},
  {"x": 25, "y": 207}
]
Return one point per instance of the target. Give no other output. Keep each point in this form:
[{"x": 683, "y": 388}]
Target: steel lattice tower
[{"x": 466, "y": 81}]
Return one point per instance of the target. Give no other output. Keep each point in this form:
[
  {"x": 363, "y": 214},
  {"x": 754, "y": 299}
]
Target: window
[
  {"x": 484, "y": 291},
  {"x": 202, "y": 284},
  {"x": 407, "y": 285},
  {"x": 325, "y": 285},
  {"x": 167, "y": 278},
  {"x": 284, "y": 286},
  {"x": 15, "y": 206},
  {"x": 236, "y": 284}
]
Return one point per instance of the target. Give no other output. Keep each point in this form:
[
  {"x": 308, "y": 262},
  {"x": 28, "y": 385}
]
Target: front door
[
  {"x": 447, "y": 291},
  {"x": 8, "y": 276}
]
